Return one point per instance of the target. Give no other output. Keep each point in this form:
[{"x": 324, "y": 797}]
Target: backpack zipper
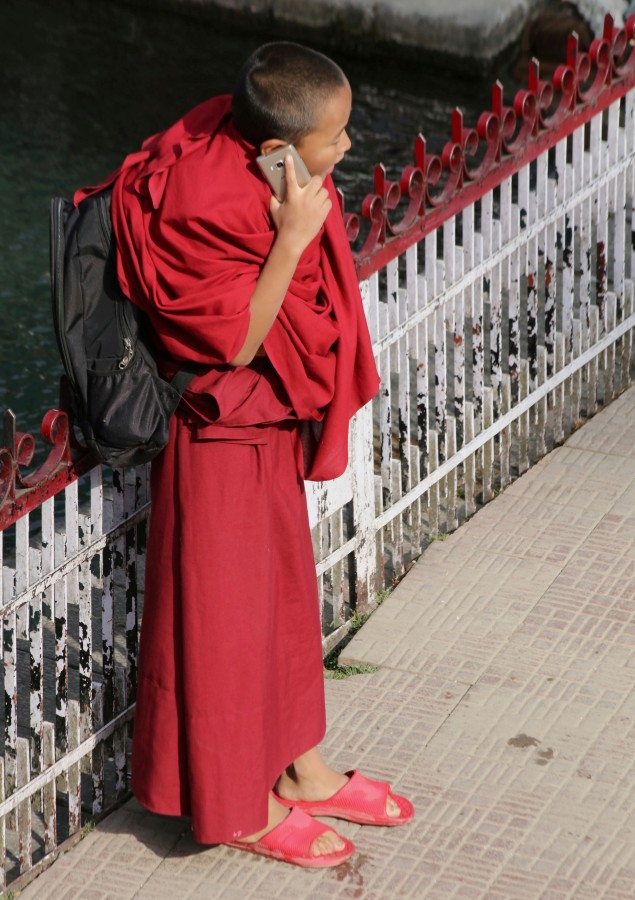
[
  {"x": 129, "y": 343},
  {"x": 105, "y": 222},
  {"x": 128, "y": 353}
]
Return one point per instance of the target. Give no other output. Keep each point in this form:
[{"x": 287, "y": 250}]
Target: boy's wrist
[{"x": 289, "y": 245}]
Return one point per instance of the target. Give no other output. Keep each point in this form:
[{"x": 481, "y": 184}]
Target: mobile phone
[{"x": 272, "y": 166}]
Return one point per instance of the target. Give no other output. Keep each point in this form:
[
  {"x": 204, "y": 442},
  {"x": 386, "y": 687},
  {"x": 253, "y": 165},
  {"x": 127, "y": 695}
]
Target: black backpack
[{"x": 111, "y": 388}]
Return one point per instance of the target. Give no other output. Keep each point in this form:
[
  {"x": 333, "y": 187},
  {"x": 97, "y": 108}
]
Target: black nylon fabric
[{"x": 114, "y": 393}]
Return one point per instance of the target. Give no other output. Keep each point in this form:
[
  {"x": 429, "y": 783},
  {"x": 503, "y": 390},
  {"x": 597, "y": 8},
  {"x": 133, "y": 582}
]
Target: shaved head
[{"x": 280, "y": 90}]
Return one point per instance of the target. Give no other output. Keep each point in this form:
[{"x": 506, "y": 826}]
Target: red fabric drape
[
  {"x": 230, "y": 686},
  {"x": 191, "y": 218}
]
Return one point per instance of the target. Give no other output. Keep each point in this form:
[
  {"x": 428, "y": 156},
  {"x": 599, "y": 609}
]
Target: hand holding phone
[
  {"x": 272, "y": 167},
  {"x": 305, "y": 204}
]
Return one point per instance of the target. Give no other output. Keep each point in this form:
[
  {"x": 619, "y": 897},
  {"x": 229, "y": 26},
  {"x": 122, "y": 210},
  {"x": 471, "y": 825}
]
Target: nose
[{"x": 346, "y": 142}]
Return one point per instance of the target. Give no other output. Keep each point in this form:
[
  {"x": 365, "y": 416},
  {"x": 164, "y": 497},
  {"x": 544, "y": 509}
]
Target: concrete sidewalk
[{"x": 504, "y": 707}]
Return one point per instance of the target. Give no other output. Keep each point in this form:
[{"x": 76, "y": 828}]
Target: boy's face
[{"x": 325, "y": 146}]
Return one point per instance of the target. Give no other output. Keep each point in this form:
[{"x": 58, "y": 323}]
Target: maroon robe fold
[{"x": 230, "y": 671}]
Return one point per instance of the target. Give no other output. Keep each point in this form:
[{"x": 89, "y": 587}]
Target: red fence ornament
[
  {"x": 506, "y": 138},
  {"x": 22, "y": 491}
]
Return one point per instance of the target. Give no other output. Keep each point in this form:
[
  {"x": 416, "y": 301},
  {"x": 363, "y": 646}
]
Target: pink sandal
[
  {"x": 361, "y": 800},
  {"x": 291, "y": 841}
]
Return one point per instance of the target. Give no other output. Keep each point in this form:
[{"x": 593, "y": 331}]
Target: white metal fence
[
  {"x": 496, "y": 335},
  {"x": 71, "y": 594},
  {"x": 502, "y": 316}
]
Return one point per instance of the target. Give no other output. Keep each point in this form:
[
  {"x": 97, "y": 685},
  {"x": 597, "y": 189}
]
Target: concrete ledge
[
  {"x": 458, "y": 27},
  {"x": 463, "y": 31}
]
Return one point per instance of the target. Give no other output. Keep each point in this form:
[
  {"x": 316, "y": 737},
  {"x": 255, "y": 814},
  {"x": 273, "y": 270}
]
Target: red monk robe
[{"x": 230, "y": 671}]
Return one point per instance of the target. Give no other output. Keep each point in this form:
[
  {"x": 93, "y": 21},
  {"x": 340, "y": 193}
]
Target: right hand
[{"x": 300, "y": 216}]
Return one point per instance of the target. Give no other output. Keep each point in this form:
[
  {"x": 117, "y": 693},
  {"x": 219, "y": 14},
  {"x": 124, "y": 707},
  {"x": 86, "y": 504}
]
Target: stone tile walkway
[{"x": 504, "y": 707}]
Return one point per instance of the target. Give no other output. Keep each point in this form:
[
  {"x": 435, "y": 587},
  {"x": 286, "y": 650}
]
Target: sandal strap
[
  {"x": 295, "y": 834},
  {"x": 364, "y": 794}
]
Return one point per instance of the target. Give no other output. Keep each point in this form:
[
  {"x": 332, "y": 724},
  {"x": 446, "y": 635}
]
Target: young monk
[{"x": 263, "y": 296}]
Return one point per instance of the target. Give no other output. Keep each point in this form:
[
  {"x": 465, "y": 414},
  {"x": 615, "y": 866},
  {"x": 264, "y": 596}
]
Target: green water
[{"x": 83, "y": 83}]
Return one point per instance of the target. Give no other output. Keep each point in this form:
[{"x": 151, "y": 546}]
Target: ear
[{"x": 270, "y": 145}]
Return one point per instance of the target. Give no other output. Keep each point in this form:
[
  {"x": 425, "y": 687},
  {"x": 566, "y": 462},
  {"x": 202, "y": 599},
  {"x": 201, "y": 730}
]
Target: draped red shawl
[{"x": 191, "y": 219}]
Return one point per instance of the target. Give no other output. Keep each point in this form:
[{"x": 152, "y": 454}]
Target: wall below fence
[{"x": 501, "y": 307}]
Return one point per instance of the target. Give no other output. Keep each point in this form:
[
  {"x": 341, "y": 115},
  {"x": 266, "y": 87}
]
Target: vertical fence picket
[
  {"x": 9, "y": 653},
  {"x": 49, "y": 800},
  {"x": 108, "y": 628},
  {"x": 495, "y": 326},
  {"x": 473, "y": 352},
  {"x": 362, "y": 486},
  {"x": 505, "y": 438},
  {"x": 340, "y": 598},
  {"x": 558, "y": 393},
  {"x": 549, "y": 251},
  {"x": 21, "y": 572},
  {"x": 601, "y": 222},
  {"x": 431, "y": 280},
  {"x": 433, "y": 507},
  {"x": 609, "y": 369},
  {"x": 564, "y": 328},
  {"x": 440, "y": 352},
  {"x": 450, "y": 480},
  {"x": 60, "y": 611},
  {"x": 74, "y": 777},
  {"x": 385, "y": 423},
  {"x": 25, "y": 840},
  {"x": 459, "y": 369},
  {"x": 478, "y": 338},
  {"x": 423, "y": 396},
  {"x": 399, "y": 425},
  {"x": 36, "y": 672},
  {"x": 97, "y": 762},
  {"x": 413, "y": 448},
  {"x": 440, "y": 394},
  {"x": 509, "y": 224},
  {"x": 488, "y": 447},
  {"x": 528, "y": 210},
  {"x": 119, "y": 737},
  {"x": 85, "y": 644},
  {"x": 592, "y": 369},
  {"x": 469, "y": 469},
  {"x": 582, "y": 259},
  {"x": 423, "y": 415},
  {"x": 627, "y": 341},
  {"x": 616, "y": 145},
  {"x": 131, "y": 627},
  {"x": 567, "y": 238}
]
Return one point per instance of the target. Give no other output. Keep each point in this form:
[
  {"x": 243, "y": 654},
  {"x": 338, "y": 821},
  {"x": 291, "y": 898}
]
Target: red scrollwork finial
[{"x": 21, "y": 491}]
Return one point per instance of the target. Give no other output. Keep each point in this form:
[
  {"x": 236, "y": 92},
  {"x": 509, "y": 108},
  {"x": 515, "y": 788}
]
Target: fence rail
[{"x": 498, "y": 281}]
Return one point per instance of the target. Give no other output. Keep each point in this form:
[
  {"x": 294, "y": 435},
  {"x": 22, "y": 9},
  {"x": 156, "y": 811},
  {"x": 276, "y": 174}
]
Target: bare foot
[
  {"x": 329, "y": 842},
  {"x": 310, "y": 778}
]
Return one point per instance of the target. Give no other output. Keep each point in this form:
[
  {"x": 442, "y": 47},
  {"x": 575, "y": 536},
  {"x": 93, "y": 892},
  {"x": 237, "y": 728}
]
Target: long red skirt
[{"x": 230, "y": 684}]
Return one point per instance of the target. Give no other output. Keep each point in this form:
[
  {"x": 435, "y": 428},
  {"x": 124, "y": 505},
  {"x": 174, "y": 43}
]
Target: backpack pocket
[{"x": 125, "y": 407}]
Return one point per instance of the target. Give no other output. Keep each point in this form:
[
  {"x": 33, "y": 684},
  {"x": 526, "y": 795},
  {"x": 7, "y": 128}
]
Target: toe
[
  {"x": 392, "y": 808},
  {"x": 329, "y": 842}
]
